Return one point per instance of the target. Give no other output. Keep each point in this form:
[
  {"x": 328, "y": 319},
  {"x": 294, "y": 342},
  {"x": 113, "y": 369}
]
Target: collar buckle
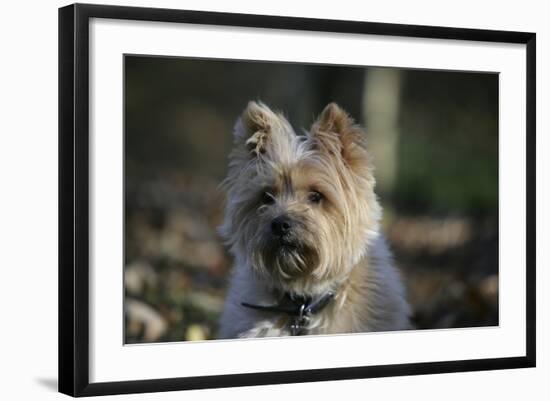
[{"x": 299, "y": 323}]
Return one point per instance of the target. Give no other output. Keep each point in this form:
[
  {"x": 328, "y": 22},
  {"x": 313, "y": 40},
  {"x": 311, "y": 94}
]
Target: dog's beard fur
[{"x": 320, "y": 183}]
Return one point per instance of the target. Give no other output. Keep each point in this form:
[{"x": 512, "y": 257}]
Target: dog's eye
[
  {"x": 267, "y": 198},
  {"x": 315, "y": 197}
]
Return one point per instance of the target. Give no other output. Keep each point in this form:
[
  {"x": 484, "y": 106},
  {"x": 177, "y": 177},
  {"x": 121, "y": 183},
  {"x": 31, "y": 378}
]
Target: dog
[{"x": 303, "y": 223}]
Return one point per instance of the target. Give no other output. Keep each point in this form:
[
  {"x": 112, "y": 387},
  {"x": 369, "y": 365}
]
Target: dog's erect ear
[
  {"x": 336, "y": 133},
  {"x": 254, "y": 128},
  {"x": 333, "y": 119}
]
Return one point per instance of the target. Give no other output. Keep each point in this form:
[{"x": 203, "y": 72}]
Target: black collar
[{"x": 299, "y": 308}]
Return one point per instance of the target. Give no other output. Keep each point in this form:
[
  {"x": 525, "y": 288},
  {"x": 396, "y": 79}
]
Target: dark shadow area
[{"x": 49, "y": 383}]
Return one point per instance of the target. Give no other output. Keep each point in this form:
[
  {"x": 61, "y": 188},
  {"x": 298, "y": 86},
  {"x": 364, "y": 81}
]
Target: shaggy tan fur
[{"x": 322, "y": 182}]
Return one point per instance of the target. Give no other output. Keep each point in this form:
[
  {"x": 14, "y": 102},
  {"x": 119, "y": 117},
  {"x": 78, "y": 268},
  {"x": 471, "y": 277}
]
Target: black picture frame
[{"x": 74, "y": 198}]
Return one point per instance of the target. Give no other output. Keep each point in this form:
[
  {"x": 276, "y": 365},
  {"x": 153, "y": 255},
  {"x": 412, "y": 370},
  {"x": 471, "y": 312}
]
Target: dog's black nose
[{"x": 280, "y": 225}]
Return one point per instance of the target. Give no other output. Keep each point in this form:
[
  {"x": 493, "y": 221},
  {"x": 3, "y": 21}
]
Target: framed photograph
[{"x": 253, "y": 199}]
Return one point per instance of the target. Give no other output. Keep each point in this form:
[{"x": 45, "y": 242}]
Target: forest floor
[{"x": 176, "y": 267}]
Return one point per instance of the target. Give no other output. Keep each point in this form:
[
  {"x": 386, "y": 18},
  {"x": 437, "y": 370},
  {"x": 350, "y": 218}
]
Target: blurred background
[{"x": 434, "y": 139}]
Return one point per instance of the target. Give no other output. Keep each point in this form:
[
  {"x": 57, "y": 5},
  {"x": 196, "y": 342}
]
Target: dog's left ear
[
  {"x": 255, "y": 127},
  {"x": 336, "y": 133}
]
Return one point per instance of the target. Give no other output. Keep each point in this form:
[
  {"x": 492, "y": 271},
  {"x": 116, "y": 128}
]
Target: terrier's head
[{"x": 300, "y": 208}]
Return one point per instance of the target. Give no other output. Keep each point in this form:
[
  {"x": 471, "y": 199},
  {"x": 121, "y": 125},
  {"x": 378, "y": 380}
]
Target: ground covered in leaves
[{"x": 176, "y": 267}]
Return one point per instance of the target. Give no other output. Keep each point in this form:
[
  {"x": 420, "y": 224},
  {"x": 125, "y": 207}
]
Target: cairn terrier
[{"x": 302, "y": 222}]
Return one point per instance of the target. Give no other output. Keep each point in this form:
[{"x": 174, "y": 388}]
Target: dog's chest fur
[{"x": 371, "y": 299}]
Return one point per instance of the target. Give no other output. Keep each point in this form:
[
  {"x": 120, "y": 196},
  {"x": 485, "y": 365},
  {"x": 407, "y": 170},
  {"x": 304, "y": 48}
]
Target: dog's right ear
[{"x": 254, "y": 128}]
